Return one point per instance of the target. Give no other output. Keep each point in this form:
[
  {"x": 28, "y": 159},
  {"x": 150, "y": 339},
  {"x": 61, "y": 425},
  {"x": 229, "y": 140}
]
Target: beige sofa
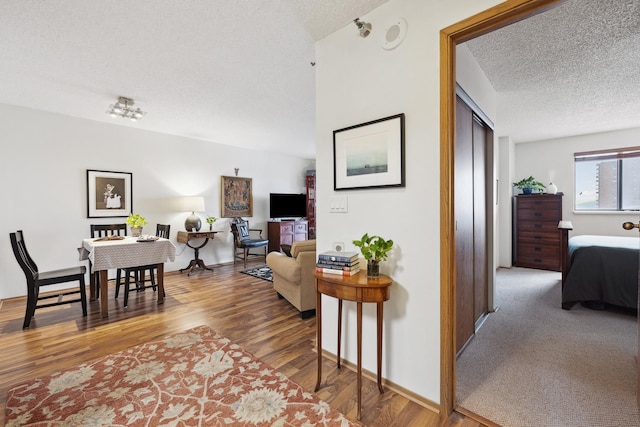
[{"x": 293, "y": 276}]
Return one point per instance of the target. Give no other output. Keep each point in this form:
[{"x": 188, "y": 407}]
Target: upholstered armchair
[
  {"x": 243, "y": 242},
  {"x": 293, "y": 276}
]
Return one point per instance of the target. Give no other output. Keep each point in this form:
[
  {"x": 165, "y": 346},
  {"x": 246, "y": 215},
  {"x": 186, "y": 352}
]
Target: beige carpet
[{"x": 534, "y": 364}]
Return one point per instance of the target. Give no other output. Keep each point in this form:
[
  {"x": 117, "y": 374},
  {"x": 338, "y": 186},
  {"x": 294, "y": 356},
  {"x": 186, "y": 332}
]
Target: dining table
[{"x": 114, "y": 252}]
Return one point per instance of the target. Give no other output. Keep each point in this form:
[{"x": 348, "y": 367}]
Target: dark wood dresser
[
  {"x": 536, "y": 237},
  {"x": 285, "y": 233}
]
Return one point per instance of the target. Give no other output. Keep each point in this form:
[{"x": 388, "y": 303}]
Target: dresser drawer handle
[
  {"x": 537, "y": 237},
  {"x": 537, "y": 225},
  {"x": 537, "y": 249},
  {"x": 537, "y": 260},
  {"x": 537, "y": 214}
]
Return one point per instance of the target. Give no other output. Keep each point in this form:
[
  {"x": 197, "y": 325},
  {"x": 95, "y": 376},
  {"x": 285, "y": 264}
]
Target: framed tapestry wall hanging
[{"x": 237, "y": 197}]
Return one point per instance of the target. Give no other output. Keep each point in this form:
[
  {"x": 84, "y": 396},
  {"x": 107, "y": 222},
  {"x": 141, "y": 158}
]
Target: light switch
[{"x": 338, "y": 204}]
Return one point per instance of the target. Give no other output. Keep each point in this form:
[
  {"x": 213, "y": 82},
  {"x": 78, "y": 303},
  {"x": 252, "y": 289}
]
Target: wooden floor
[{"x": 242, "y": 308}]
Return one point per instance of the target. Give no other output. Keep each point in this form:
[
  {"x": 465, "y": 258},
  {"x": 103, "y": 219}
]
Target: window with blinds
[{"x": 607, "y": 180}]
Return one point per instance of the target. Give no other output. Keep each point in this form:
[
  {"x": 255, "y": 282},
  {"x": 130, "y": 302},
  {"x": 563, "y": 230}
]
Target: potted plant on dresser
[{"x": 529, "y": 185}]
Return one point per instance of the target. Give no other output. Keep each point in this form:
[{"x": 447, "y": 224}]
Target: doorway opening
[{"x": 482, "y": 23}]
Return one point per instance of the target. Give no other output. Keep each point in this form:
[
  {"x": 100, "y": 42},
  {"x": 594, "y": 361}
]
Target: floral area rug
[
  {"x": 193, "y": 378},
  {"x": 263, "y": 273}
]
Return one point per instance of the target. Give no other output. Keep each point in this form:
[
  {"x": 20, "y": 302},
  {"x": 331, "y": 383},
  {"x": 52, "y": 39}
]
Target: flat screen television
[{"x": 283, "y": 205}]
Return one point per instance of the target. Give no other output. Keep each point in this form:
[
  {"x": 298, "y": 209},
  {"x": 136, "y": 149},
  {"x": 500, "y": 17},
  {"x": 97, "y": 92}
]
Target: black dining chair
[
  {"x": 37, "y": 279},
  {"x": 138, "y": 274},
  {"x": 106, "y": 230}
]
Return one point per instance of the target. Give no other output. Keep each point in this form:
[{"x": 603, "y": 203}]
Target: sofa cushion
[{"x": 302, "y": 246}]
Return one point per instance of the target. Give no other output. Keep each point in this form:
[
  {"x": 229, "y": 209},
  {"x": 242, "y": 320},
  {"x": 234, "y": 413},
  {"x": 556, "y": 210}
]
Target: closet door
[
  {"x": 481, "y": 291},
  {"x": 470, "y": 222},
  {"x": 463, "y": 200}
]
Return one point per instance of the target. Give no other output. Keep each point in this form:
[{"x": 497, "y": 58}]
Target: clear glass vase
[{"x": 373, "y": 268}]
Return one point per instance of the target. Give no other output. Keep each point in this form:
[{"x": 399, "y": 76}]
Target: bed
[{"x": 601, "y": 270}]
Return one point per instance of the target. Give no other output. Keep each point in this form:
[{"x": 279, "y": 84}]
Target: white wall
[
  {"x": 506, "y": 164},
  {"x": 475, "y": 83},
  {"x": 44, "y": 158},
  {"x": 552, "y": 160},
  {"x": 358, "y": 81}
]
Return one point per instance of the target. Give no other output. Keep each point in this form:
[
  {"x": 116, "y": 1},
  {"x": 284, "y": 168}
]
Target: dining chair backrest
[
  {"x": 27, "y": 263},
  {"x": 37, "y": 279},
  {"x": 138, "y": 273},
  {"x": 104, "y": 230},
  {"x": 162, "y": 230}
]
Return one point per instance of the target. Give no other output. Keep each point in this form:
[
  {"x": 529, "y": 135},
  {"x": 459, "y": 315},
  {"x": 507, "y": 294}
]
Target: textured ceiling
[
  {"x": 239, "y": 73},
  {"x": 574, "y": 69},
  {"x": 232, "y": 72}
]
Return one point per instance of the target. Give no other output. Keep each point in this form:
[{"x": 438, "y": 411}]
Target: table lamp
[
  {"x": 565, "y": 225},
  {"x": 193, "y": 205}
]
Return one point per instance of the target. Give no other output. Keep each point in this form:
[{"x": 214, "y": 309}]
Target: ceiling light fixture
[
  {"x": 124, "y": 108},
  {"x": 364, "y": 27}
]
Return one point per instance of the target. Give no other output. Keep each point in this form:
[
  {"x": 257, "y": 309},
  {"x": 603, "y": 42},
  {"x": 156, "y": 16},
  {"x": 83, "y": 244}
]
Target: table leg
[
  {"x": 104, "y": 300},
  {"x": 359, "y": 325},
  {"x": 160, "y": 268},
  {"x": 92, "y": 285},
  {"x": 379, "y": 321},
  {"x": 339, "y": 328},
  {"x": 318, "y": 336},
  {"x": 196, "y": 262}
]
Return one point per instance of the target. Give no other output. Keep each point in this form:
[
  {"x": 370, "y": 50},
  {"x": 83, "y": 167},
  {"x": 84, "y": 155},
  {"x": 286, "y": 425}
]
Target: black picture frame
[
  {"x": 109, "y": 194},
  {"x": 370, "y": 155}
]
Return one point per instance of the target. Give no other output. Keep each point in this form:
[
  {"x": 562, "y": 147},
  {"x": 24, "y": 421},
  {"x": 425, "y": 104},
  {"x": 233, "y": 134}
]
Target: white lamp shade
[
  {"x": 566, "y": 225},
  {"x": 193, "y": 204}
]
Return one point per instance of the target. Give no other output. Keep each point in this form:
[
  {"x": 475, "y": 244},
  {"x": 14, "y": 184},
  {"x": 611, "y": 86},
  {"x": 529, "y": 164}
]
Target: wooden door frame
[{"x": 492, "y": 19}]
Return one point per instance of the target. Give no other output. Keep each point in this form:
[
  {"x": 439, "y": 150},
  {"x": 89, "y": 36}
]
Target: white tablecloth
[{"x": 108, "y": 254}]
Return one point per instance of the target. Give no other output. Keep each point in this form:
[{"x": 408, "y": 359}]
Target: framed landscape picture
[
  {"x": 237, "y": 197},
  {"x": 369, "y": 155},
  {"x": 109, "y": 194}
]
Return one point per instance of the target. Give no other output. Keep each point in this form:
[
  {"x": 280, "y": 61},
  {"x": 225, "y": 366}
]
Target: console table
[
  {"x": 186, "y": 237},
  {"x": 358, "y": 288}
]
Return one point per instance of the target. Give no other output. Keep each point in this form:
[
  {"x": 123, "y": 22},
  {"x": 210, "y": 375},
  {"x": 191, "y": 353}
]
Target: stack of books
[{"x": 344, "y": 263}]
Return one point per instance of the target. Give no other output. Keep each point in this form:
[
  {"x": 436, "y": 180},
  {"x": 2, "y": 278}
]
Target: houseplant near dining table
[
  {"x": 374, "y": 249},
  {"x": 137, "y": 222}
]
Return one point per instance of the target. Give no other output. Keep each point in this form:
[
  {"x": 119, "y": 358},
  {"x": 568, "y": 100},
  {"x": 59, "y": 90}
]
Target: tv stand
[{"x": 285, "y": 232}]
